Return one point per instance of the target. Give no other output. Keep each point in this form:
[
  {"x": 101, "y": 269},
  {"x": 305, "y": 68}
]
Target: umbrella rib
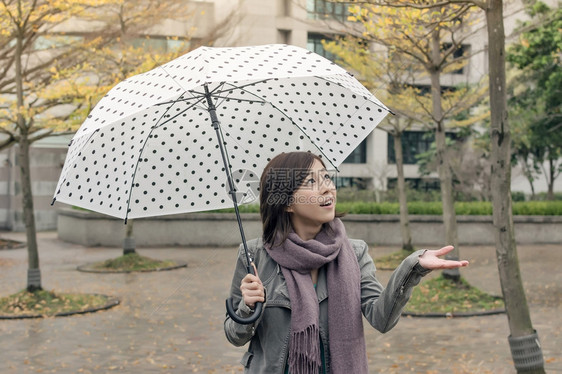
[
  {"x": 175, "y": 101},
  {"x": 229, "y": 90},
  {"x": 309, "y": 138},
  {"x": 261, "y": 99},
  {"x": 203, "y": 93},
  {"x": 349, "y": 118},
  {"x": 342, "y": 86},
  {"x": 293, "y": 122},
  {"x": 199, "y": 96},
  {"x": 366, "y": 99},
  {"x": 201, "y": 99},
  {"x": 233, "y": 86},
  {"x": 180, "y": 113},
  {"x": 218, "y": 105},
  {"x": 137, "y": 163},
  {"x": 217, "y": 89},
  {"x": 238, "y": 99},
  {"x": 79, "y": 153}
]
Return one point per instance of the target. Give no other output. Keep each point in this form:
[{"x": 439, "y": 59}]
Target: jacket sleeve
[
  {"x": 381, "y": 306},
  {"x": 236, "y": 333}
]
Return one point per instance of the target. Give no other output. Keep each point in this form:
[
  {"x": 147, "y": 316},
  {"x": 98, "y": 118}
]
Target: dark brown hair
[{"x": 281, "y": 177}]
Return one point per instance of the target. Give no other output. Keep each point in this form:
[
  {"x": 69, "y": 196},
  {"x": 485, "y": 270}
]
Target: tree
[
  {"x": 535, "y": 94},
  {"x": 50, "y": 77},
  {"x": 522, "y": 153},
  {"x": 432, "y": 42},
  {"x": 506, "y": 251},
  {"x": 390, "y": 83},
  {"x": 24, "y": 76},
  {"x": 121, "y": 47},
  {"x": 469, "y": 165}
]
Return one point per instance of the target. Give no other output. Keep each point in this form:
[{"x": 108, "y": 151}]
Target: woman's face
[{"x": 314, "y": 202}]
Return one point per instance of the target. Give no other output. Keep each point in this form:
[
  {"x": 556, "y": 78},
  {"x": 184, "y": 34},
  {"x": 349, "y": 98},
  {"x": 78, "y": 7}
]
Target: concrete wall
[
  {"x": 213, "y": 229},
  {"x": 46, "y": 165}
]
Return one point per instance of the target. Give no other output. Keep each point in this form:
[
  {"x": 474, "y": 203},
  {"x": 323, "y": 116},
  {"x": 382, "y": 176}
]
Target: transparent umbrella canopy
[{"x": 194, "y": 134}]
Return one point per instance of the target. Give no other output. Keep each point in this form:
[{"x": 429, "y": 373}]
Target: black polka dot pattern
[{"x": 148, "y": 148}]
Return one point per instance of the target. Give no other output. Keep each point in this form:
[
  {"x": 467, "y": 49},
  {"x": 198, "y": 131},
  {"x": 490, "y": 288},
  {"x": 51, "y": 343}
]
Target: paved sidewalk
[{"x": 171, "y": 322}]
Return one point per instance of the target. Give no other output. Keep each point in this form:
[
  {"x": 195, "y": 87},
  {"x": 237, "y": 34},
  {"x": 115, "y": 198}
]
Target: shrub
[
  {"x": 481, "y": 208},
  {"x": 422, "y": 207},
  {"x": 473, "y": 208},
  {"x": 543, "y": 208},
  {"x": 547, "y": 208}
]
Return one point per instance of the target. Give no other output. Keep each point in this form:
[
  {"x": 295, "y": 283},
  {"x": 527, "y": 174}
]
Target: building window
[
  {"x": 52, "y": 41},
  {"x": 284, "y": 36},
  {"x": 413, "y": 143},
  {"x": 358, "y": 183},
  {"x": 323, "y": 9},
  {"x": 461, "y": 51},
  {"x": 314, "y": 44},
  {"x": 419, "y": 184},
  {"x": 424, "y": 89},
  {"x": 421, "y": 89},
  {"x": 359, "y": 154}
]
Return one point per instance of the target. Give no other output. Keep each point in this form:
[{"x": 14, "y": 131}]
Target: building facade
[
  {"x": 306, "y": 23},
  {"x": 303, "y": 23}
]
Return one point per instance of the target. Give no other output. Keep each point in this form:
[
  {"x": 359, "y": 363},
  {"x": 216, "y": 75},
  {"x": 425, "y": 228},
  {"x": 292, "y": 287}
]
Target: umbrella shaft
[{"x": 216, "y": 125}]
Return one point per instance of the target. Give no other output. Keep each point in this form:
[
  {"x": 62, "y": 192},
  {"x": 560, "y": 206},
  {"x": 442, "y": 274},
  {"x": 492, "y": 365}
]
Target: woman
[{"x": 314, "y": 281}]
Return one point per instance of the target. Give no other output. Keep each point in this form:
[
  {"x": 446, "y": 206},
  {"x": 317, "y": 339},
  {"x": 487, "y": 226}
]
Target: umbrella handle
[{"x": 244, "y": 321}]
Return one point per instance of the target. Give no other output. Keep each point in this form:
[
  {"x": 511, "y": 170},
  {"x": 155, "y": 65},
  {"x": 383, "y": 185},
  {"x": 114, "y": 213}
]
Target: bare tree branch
[{"x": 7, "y": 143}]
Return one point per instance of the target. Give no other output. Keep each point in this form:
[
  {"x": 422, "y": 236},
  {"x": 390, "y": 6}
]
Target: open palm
[{"x": 430, "y": 259}]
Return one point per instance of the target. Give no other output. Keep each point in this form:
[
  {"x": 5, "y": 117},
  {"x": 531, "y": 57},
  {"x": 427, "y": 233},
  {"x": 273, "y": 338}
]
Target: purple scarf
[{"x": 297, "y": 259}]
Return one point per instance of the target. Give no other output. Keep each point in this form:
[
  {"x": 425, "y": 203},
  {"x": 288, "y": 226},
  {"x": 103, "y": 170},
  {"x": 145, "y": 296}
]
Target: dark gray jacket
[{"x": 269, "y": 335}]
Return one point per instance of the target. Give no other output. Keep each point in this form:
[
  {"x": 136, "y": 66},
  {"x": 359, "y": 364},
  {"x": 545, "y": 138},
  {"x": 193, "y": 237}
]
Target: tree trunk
[
  {"x": 129, "y": 241},
  {"x": 550, "y": 179},
  {"x": 528, "y": 172},
  {"x": 445, "y": 176},
  {"x": 532, "y": 189},
  {"x": 33, "y": 272},
  {"x": 404, "y": 220},
  {"x": 506, "y": 252}
]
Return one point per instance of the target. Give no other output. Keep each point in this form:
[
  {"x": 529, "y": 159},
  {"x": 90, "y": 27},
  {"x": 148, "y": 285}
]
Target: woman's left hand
[{"x": 430, "y": 259}]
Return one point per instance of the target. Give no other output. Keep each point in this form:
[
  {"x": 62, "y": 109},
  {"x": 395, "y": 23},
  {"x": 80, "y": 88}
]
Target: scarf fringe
[{"x": 304, "y": 351}]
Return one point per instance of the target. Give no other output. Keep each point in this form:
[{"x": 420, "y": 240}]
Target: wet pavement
[{"x": 171, "y": 321}]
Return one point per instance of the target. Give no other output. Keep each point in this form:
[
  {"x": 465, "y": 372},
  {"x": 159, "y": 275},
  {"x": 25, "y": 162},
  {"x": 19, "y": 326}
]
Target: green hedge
[
  {"x": 538, "y": 208},
  {"x": 533, "y": 208}
]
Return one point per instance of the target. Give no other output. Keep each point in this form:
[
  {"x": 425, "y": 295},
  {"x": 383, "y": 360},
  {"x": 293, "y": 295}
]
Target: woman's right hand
[{"x": 252, "y": 289}]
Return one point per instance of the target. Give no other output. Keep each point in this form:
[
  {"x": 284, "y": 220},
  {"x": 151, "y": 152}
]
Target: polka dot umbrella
[{"x": 162, "y": 142}]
